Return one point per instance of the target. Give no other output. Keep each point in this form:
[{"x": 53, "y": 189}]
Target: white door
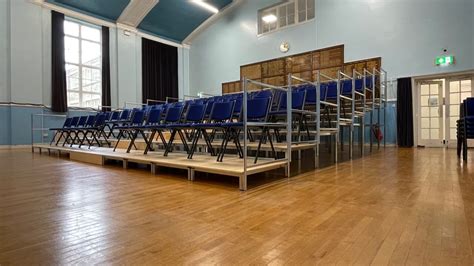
[
  {"x": 457, "y": 89},
  {"x": 430, "y": 119}
]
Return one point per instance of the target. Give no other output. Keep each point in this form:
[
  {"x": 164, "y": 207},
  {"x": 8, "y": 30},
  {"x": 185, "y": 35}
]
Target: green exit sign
[{"x": 444, "y": 60}]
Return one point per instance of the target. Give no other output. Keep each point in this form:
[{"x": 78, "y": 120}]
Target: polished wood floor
[{"x": 398, "y": 206}]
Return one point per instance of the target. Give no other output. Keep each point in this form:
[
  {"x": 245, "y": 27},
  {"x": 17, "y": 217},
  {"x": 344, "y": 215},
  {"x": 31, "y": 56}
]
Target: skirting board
[{"x": 14, "y": 147}]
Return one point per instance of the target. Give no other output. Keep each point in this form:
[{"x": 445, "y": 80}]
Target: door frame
[
  {"x": 449, "y": 143},
  {"x": 431, "y": 143},
  {"x": 415, "y": 81}
]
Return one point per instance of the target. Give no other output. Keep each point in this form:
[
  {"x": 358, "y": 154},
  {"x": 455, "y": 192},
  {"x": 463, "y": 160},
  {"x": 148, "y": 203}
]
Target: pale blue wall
[
  {"x": 217, "y": 52},
  {"x": 4, "y": 51},
  {"x": 29, "y": 70},
  {"x": 407, "y": 34}
]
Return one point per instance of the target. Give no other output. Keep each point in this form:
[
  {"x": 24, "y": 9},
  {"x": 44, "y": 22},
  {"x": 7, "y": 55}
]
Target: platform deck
[{"x": 231, "y": 166}]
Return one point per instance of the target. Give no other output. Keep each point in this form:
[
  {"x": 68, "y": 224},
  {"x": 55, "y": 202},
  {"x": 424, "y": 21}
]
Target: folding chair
[
  {"x": 137, "y": 120},
  {"x": 222, "y": 112}
]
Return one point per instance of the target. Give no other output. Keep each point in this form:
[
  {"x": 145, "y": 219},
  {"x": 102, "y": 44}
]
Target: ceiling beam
[
  {"x": 210, "y": 21},
  {"x": 135, "y": 12}
]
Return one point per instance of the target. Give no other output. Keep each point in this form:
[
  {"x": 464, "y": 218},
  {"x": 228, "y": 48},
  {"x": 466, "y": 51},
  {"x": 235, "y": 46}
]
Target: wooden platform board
[
  {"x": 231, "y": 166},
  {"x": 279, "y": 147}
]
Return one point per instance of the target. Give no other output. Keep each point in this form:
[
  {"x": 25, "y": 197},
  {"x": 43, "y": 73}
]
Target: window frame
[
  {"x": 81, "y": 65},
  {"x": 277, "y": 7}
]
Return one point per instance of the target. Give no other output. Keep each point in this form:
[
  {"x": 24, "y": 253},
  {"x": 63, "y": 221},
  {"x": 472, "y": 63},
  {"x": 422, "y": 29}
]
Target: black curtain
[
  {"x": 159, "y": 70},
  {"x": 58, "y": 71},
  {"x": 106, "y": 99},
  {"x": 404, "y": 112}
]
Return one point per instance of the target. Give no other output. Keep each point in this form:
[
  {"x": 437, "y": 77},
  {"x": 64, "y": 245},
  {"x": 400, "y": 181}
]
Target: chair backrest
[
  {"x": 195, "y": 112},
  {"x": 237, "y": 106},
  {"x": 100, "y": 120},
  {"x": 154, "y": 116},
  {"x": 67, "y": 122},
  {"x": 74, "y": 121},
  {"x": 115, "y": 116},
  {"x": 125, "y": 114},
  {"x": 346, "y": 86},
  {"x": 368, "y": 82},
  {"x": 359, "y": 85},
  {"x": 222, "y": 111},
  {"x": 331, "y": 90},
  {"x": 173, "y": 114},
  {"x": 258, "y": 108},
  {"x": 107, "y": 116},
  {"x": 82, "y": 121},
  {"x": 210, "y": 105},
  {"x": 263, "y": 94},
  {"x": 138, "y": 117},
  {"x": 297, "y": 100},
  {"x": 469, "y": 106},
  {"x": 90, "y": 121}
]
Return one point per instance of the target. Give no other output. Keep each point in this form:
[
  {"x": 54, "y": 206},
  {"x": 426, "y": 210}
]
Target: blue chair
[
  {"x": 194, "y": 114},
  {"x": 123, "y": 119},
  {"x": 221, "y": 112},
  {"x": 57, "y": 130},
  {"x": 257, "y": 111},
  {"x": 137, "y": 120},
  {"x": 173, "y": 115},
  {"x": 66, "y": 131},
  {"x": 96, "y": 130},
  {"x": 298, "y": 98},
  {"x": 153, "y": 118},
  {"x": 72, "y": 130}
]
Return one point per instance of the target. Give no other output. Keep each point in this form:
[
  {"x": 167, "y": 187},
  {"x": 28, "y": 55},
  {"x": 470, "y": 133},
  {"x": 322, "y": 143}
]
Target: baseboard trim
[{"x": 14, "y": 147}]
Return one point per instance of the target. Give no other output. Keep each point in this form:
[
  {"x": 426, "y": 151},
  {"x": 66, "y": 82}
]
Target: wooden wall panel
[
  {"x": 253, "y": 71},
  {"x": 274, "y": 72},
  {"x": 374, "y": 63},
  {"x": 273, "y": 68},
  {"x": 231, "y": 87},
  {"x": 277, "y": 81},
  {"x": 307, "y": 75},
  {"x": 299, "y": 63},
  {"x": 330, "y": 72},
  {"x": 329, "y": 57}
]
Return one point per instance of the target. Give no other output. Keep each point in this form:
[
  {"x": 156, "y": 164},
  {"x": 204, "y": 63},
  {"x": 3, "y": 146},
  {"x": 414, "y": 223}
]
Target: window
[
  {"x": 83, "y": 48},
  {"x": 286, "y": 14}
]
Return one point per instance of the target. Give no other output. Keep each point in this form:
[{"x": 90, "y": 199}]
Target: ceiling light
[
  {"x": 269, "y": 18},
  {"x": 206, "y": 6}
]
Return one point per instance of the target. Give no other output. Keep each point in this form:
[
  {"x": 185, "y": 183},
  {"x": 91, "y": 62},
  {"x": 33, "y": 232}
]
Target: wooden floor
[{"x": 407, "y": 206}]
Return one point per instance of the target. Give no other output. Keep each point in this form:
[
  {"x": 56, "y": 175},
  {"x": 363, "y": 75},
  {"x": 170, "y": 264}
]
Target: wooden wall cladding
[
  {"x": 306, "y": 65},
  {"x": 360, "y": 65},
  {"x": 231, "y": 87},
  {"x": 328, "y": 57},
  {"x": 273, "y": 68},
  {"x": 328, "y": 73},
  {"x": 253, "y": 71},
  {"x": 299, "y": 63}
]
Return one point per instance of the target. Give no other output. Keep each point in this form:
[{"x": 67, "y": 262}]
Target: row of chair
[{"x": 193, "y": 120}]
